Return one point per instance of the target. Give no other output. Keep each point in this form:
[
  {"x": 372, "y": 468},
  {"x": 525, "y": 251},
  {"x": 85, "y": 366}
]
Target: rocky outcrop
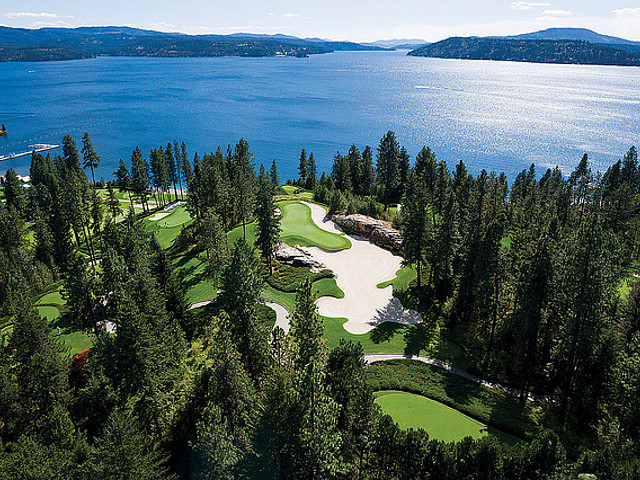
[
  {"x": 297, "y": 257},
  {"x": 378, "y": 231}
]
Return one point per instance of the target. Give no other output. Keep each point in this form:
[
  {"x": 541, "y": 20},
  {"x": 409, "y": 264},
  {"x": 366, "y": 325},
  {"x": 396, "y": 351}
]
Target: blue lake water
[{"x": 493, "y": 115}]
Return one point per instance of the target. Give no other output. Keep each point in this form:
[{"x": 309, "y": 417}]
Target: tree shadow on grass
[
  {"x": 418, "y": 337},
  {"x": 386, "y": 331}
]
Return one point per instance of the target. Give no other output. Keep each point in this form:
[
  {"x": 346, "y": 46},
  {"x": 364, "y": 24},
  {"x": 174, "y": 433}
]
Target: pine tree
[
  {"x": 312, "y": 173},
  {"x": 14, "y": 192},
  {"x": 320, "y": 440},
  {"x": 244, "y": 180},
  {"x": 368, "y": 173},
  {"x": 91, "y": 158},
  {"x": 417, "y": 229},
  {"x": 140, "y": 176},
  {"x": 388, "y": 169},
  {"x": 273, "y": 174},
  {"x": 307, "y": 328},
  {"x": 214, "y": 241},
  {"x": 268, "y": 228},
  {"x": 303, "y": 166},
  {"x": 241, "y": 288},
  {"x": 124, "y": 452}
]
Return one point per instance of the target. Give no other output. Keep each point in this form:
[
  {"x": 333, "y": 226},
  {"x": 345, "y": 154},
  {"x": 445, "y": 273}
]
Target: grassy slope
[
  {"x": 491, "y": 407},
  {"x": 440, "y": 421},
  {"x": 298, "y": 228}
]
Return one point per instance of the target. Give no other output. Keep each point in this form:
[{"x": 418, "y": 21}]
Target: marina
[{"x": 38, "y": 147}]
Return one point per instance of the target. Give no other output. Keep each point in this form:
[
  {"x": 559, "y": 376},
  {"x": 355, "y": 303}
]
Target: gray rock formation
[
  {"x": 297, "y": 257},
  {"x": 379, "y": 231}
]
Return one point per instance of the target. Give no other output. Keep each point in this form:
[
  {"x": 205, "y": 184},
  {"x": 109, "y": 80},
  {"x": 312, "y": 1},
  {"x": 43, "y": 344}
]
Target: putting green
[
  {"x": 54, "y": 298},
  {"x": 438, "y": 420},
  {"x": 298, "y": 228},
  {"x": 50, "y": 313}
]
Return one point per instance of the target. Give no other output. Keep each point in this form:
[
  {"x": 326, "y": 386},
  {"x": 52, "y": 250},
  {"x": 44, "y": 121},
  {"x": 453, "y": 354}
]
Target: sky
[{"x": 356, "y": 20}]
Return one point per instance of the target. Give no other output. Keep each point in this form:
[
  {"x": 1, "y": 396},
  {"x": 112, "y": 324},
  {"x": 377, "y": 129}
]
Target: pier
[{"x": 38, "y": 147}]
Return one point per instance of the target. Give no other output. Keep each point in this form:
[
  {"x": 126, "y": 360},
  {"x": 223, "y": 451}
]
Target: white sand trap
[
  {"x": 358, "y": 270},
  {"x": 159, "y": 216}
]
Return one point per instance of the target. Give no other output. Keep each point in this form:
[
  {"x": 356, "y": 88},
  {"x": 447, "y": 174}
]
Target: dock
[{"x": 38, "y": 147}]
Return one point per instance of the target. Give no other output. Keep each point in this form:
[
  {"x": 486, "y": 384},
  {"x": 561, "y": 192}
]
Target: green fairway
[
  {"x": 298, "y": 192},
  {"x": 50, "y": 313},
  {"x": 199, "y": 286},
  {"x": 440, "y": 421},
  {"x": 298, "y": 228},
  {"x": 54, "y": 298},
  {"x": 489, "y": 406},
  {"x": 404, "y": 277},
  {"x": 391, "y": 337}
]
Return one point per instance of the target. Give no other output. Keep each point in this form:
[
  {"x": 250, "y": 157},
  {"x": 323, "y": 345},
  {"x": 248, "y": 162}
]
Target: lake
[{"x": 493, "y": 115}]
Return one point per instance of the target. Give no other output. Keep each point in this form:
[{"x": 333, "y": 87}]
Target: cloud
[
  {"x": 34, "y": 15},
  {"x": 557, "y": 13},
  {"x": 291, "y": 15},
  {"x": 528, "y": 5},
  {"x": 162, "y": 26},
  {"x": 627, "y": 12}
]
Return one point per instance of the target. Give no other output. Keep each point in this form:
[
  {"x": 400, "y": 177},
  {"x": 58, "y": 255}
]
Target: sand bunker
[
  {"x": 358, "y": 270},
  {"x": 159, "y": 216}
]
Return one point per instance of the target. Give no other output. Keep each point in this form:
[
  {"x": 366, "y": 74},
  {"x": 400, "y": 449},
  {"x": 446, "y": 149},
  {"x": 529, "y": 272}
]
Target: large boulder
[
  {"x": 378, "y": 231},
  {"x": 297, "y": 257}
]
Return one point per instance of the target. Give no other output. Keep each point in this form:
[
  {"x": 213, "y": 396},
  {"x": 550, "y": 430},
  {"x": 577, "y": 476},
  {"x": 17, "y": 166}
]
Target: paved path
[{"x": 381, "y": 357}]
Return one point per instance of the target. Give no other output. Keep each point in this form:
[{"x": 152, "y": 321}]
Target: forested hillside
[
  {"x": 536, "y": 51},
  {"x": 134, "y": 341}
]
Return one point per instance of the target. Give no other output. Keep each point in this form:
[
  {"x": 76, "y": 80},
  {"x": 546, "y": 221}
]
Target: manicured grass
[
  {"x": 75, "y": 342},
  {"x": 237, "y": 233},
  {"x": 53, "y": 298},
  {"x": 404, "y": 277},
  {"x": 298, "y": 228},
  {"x": 199, "y": 286},
  {"x": 297, "y": 191},
  {"x": 440, "y": 421},
  {"x": 50, "y": 313},
  {"x": 327, "y": 287},
  {"x": 494, "y": 408},
  {"x": 390, "y": 337}
]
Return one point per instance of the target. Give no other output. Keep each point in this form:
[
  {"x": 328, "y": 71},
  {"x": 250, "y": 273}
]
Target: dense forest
[
  {"x": 39, "y": 54},
  {"x": 535, "y": 51},
  {"x": 86, "y": 42},
  {"x": 535, "y": 280}
]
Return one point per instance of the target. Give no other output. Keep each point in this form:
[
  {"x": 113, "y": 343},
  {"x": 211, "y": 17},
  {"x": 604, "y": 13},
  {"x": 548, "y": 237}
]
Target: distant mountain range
[
  {"x": 555, "y": 45},
  {"x": 85, "y": 42},
  {"x": 399, "y": 43}
]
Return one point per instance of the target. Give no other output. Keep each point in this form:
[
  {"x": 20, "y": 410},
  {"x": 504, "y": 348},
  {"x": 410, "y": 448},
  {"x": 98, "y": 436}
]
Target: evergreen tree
[
  {"x": 140, "y": 176},
  {"x": 268, "y": 228},
  {"x": 368, "y": 173},
  {"x": 14, "y": 192},
  {"x": 303, "y": 167},
  {"x": 312, "y": 173},
  {"x": 241, "y": 287},
  {"x": 123, "y": 178},
  {"x": 403, "y": 171},
  {"x": 214, "y": 242},
  {"x": 320, "y": 440},
  {"x": 91, "y": 158},
  {"x": 124, "y": 452},
  {"x": 417, "y": 229},
  {"x": 244, "y": 182},
  {"x": 388, "y": 168},
  {"x": 273, "y": 174},
  {"x": 306, "y": 328}
]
